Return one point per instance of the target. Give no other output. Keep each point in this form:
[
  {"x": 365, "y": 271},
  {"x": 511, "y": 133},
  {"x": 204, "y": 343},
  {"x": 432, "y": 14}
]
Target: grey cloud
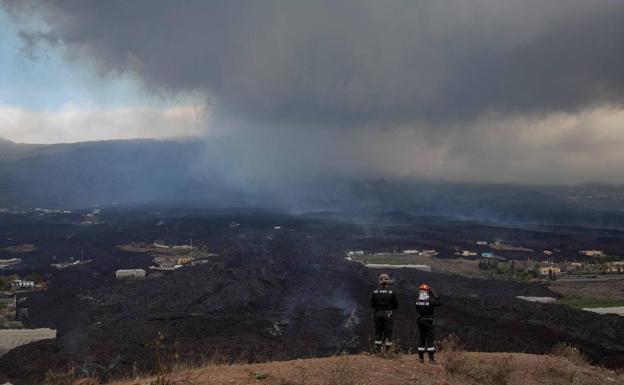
[
  {"x": 357, "y": 61},
  {"x": 458, "y": 90}
]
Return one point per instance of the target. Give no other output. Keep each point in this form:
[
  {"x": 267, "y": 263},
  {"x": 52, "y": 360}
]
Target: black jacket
[
  {"x": 384, "y": 299},
  {"x": 425, "y": 307}
]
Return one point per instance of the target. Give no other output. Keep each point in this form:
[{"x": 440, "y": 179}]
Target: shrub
[
  {"x": 569, "y": 352},
  {"x": 393, "y": 352},
  {"x": 59, "y": 378},
  {"x": 498, "y": 373},
  {"x": 258, "y": 375},
  {"x": 557, "y": 374},
  {"x": 166, "y": 360},
  {"x": 455, "y": 361}
]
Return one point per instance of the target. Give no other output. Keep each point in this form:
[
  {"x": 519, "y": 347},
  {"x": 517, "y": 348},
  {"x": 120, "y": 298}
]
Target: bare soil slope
[{"x": 455, "y": 368}]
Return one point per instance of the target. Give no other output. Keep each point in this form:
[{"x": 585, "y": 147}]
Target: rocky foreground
[{"x": 452, "y": 368}]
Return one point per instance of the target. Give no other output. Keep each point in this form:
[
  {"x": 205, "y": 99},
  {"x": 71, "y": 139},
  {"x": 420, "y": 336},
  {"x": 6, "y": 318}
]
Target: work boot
[
  {"x": 421, "y": 358},
  {"x": 432, "y": 358}
]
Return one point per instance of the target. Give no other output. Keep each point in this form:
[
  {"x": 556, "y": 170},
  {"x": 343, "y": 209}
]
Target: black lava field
[{"x": 279, "y": 287}]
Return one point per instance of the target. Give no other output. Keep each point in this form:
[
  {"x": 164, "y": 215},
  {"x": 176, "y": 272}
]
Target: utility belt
[
  {"x": 426, "y": 318},
  {"x": 387, "y": 313}
]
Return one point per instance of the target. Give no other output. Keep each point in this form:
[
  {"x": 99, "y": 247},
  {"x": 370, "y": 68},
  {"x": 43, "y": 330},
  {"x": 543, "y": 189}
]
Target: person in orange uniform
[{"x": 425, "y": 304}]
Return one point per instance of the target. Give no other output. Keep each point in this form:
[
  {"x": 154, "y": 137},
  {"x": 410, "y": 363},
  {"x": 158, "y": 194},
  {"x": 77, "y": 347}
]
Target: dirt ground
[{"x": 452, "y": 369}]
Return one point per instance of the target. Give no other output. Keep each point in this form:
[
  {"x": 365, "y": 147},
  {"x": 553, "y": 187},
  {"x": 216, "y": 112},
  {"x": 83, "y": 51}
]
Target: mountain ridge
[{"x": 147, "y": 171}]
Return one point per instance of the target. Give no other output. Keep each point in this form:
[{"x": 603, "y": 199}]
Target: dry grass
[
  {"x": 570, "y": 353},
  {"x": 557, "y": 374},
  {"x": 59, "y": 378},
  {"x": 341, "y": 372},
  {"x": 458, "y": 364},
  {"x": 497, "y": 372},
  {"x": 87, "y": 381},
  {"x": 392, "y": 353},
  {"x": 470, "y": 369},
  {"x": 67, "y": 377},
  {"x": 455, "y": 361},
  {"x": 501, "y": 372},
  {"x": 169, "y": 369},
  {"x": 166, "y": 360},
  {"x": 299, "y": 377}
]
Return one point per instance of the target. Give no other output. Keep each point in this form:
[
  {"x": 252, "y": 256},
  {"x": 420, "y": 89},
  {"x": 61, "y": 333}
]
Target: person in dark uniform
[
  {"x": 425, "y": 304},
  {"x": 383, "y": 302}
]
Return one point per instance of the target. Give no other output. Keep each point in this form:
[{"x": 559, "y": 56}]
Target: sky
[
  {"x": 46, "y": 98},
  {"x": 505, "y": 91}
]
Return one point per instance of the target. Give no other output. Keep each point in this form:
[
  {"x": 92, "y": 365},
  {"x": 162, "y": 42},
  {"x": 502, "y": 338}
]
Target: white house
[{"x": 130, "y": 273}]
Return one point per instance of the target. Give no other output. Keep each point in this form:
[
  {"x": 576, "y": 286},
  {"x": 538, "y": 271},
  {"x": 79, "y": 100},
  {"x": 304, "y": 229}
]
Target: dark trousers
[
  {"x": 426, "y": 337},
  {"x": 383, "y": 328}
]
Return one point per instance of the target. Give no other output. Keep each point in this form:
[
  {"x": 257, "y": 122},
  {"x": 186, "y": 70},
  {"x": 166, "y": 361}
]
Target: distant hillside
[
  {"x": 130, "y": 172},
  {"x": 109, "y": 172},
  {"x": 454, "y": 368},
  {"x": 10, "y": 150}
]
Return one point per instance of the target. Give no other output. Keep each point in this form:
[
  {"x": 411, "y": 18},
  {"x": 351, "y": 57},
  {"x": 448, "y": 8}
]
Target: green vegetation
[
  {"x": 578, "y": 302},
  {"x": 507, "y": 247},
  {"x": 607, "y": 259},
  {"x": 518, "y": 271},
  {"x": 258, "y": 375},
  {"x": 5, "y": 281}
]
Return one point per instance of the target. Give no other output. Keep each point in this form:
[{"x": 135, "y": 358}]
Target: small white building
[
  {"x": 22, "y": 284},
  {"x": 615, "y": 267},
  {"x": 130, "y": 273},
  {"x": 592, "y": 253},
  {"x": 466, "y": 253},
  {"x": 352, "y": 253}
]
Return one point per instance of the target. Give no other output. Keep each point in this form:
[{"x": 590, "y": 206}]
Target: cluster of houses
[
  {"x": 360, "y": 253},
  {"x": 22, "y": 285},
  {"x": 488, "y": 259}
]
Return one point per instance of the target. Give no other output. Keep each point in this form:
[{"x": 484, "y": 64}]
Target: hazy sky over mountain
[{"x": 486, "y": 90}]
